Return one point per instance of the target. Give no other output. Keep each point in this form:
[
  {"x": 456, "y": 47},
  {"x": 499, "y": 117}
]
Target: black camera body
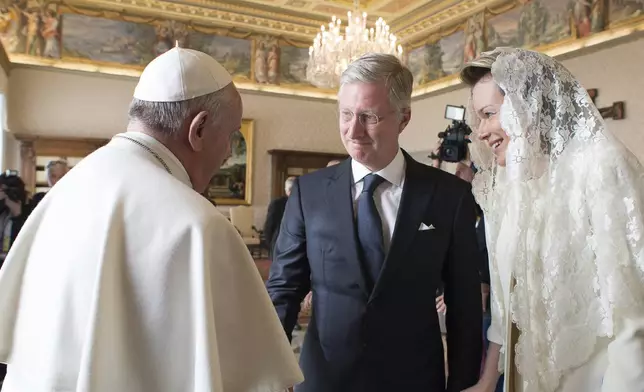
[{"x": 455, "y": 141}]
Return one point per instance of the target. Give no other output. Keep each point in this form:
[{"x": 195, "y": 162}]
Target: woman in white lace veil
[{"x": 563, "y": 202}]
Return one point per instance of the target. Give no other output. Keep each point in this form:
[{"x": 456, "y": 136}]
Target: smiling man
[{"x": 373, "y": 238}]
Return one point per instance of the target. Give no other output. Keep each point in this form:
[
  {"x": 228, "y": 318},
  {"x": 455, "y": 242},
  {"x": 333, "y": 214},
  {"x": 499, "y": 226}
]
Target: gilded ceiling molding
[
  {"x": 425, "y": 23},
  {"x": 501, "y": 8},
  {"x": 436, "y": 36},
  {"x": 159, "y": 10},
  {"x": 237, "y": 9},
  {"x": 418, "y": 13}
]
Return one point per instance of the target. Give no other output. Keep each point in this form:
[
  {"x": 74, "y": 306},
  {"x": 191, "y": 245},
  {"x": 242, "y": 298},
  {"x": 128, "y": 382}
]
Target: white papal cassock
[{"x": 124, "y": 279}]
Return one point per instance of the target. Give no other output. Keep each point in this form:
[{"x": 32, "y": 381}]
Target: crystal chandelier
[{"x": 332, "y": 52}]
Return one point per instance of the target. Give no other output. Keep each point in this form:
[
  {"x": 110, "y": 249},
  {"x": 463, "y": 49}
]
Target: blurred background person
[
  {"x": 13, "y": 215},
  {"x": 13, "y": 211},
  {"x": 55, "y": 170},
  {"x": 274, "y": 215}
]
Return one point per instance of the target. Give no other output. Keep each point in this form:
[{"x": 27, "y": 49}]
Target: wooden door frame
[{"x": 32, "y": 146}]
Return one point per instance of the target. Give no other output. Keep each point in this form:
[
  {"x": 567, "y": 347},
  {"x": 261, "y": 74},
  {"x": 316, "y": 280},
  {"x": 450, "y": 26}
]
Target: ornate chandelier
[{"x": 332, "y": 52}]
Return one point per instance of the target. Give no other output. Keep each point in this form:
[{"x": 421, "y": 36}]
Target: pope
[{"x": 125, "y": 278}]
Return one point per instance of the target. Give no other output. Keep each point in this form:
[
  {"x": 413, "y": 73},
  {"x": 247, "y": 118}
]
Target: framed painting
[{"x": 233, "y": 184}]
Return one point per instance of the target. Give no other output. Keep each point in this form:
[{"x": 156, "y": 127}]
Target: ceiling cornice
[
  {"x": 264, "y": 19},
  {"x": 422, "y": 23},
  {"x": 225, "y": 15}
]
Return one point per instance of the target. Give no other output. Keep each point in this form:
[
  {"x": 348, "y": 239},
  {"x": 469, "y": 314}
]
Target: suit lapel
[
  {"x": 340, "y": 203},
  {"x": 418, "y": 190}
]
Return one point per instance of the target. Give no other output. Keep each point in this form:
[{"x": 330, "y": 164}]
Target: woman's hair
[{"x": 478, "y": 68}]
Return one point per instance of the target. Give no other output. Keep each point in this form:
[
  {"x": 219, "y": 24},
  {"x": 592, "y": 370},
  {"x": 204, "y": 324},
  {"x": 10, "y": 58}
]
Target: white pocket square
[{"x": 425, "y": 227}]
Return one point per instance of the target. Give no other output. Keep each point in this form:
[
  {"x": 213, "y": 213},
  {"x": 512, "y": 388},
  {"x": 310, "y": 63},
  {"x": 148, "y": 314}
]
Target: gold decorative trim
[
  {"x": 626, "y": 22},
  {"x": 424, "y": 23},
  {"x": 421, "y": 12},
  {"x": 239, "y": 10},
  {"x": 154, "y": 10},
  {"x": 565, "y": 46},
  {"x": 242, "y": 84},
  {"x": 501, "y": 8},
  {"x": 437, "y": 36}
]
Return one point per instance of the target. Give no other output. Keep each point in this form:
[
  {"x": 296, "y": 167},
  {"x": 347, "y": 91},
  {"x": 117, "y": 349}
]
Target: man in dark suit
[
  {"x": 373, "y": 238},
  {"x": 275, "y": 213}
]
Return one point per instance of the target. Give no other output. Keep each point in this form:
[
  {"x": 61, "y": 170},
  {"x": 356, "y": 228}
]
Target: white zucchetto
[{"x": 180, "y": 74}]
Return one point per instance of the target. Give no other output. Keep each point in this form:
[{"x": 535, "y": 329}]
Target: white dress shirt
[{"x": 386, "y": 196}]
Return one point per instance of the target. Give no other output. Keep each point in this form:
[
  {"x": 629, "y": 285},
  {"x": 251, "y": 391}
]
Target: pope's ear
[{"x": 196, "y": 131}]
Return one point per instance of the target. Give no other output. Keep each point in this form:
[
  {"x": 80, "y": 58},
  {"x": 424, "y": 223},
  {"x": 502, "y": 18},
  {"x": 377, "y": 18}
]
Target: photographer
[
  {"x": 466, "y": 171},
  {"x": 13, "y": 213},
  {"x": 452, "y": 146}
]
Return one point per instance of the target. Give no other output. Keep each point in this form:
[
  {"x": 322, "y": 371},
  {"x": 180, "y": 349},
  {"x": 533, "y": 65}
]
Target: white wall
[
  {"x": 616, "y": 71},
  {"x": 57, "y": 103}
]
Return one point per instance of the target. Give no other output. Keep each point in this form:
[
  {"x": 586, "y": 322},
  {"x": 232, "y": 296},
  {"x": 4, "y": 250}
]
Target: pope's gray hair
[
  {"x": 168, "y": 117},
  {"x": 378, "y": 67}
]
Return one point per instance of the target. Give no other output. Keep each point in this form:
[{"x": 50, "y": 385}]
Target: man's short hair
[
  {"x": 379, "y": 67},
  {"x": 58, "y": 162}
]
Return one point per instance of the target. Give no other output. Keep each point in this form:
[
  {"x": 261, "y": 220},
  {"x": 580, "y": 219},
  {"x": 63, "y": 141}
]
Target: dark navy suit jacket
[{"x": 387, "y": 337}]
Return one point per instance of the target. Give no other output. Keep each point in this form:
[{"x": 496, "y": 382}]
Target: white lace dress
[{"x": 587, "y": 378}]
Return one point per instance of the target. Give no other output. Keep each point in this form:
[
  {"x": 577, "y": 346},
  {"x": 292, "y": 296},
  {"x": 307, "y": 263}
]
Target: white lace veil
[{"x": 573, "y": 196}]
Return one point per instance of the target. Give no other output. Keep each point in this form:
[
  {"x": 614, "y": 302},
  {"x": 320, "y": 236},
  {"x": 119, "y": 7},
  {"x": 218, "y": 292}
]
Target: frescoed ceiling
[
  {"x": 264, "y": 44},
  {"x": 298, "y": 19}
]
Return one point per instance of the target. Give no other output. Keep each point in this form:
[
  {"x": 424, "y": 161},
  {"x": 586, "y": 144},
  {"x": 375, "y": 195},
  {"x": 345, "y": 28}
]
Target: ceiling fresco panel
[{"x": 264, "y": 43}]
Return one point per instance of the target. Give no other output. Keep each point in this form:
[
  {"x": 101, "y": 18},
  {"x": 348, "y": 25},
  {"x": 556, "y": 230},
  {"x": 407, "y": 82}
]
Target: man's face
[
  {"x": 55, "y": 173},
  {"x": 369, "y": 124}
]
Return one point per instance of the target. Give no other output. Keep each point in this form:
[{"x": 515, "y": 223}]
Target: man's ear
[
  {"x": 405, "y": 117},
  {"x": 196, "y": 131}
]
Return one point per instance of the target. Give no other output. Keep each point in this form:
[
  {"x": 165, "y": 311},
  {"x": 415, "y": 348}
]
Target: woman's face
[{"x": 487, "y": 100}]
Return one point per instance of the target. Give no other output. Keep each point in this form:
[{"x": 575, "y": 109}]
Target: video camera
[{"x": 454, "y": 145}]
